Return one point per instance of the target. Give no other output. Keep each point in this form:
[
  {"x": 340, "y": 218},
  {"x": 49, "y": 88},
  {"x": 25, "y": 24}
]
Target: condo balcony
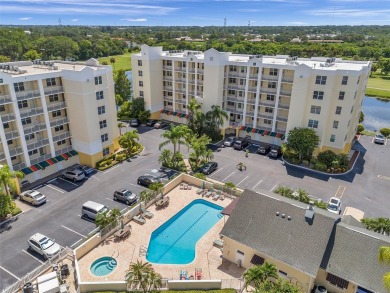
[
  {"x": 38, "y": 144},
  {"x": 56, "y": 106},
  {"x": 12, "y": 134},
  {"x": 60, "y": 121},
  {"x": 62, "y": 136},
  {"x": 34, "y": 128},
  {"x": 5, "y": 99},
  {"x": 54, "y": 90},
  {"x": 25, "y": 95},
  {"x": 31, "y": 112}
]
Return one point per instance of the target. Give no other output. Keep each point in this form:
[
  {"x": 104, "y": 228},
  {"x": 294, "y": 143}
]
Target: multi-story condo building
[
  {"x": 265, "y": 96},
  {"x": 55, "y": 114}
]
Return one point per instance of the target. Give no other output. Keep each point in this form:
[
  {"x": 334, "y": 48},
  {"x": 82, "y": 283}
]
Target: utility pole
[
  {"x": 59, "y": 21},
  {"x": 224, "y": 23}
]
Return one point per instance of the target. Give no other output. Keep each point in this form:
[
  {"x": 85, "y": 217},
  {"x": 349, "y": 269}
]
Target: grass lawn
[
  {"x": 121, "y": 61},
  {"x": 378, "y": 86}
]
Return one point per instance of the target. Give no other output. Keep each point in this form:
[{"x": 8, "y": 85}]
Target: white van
[{"x": 90, "y": 209}]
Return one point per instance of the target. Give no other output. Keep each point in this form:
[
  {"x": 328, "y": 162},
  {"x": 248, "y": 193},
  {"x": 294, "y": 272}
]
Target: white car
[
  {"x": 334, "y": 205},
  {"x": 33, "y": 197},
  {"x": 379, "y": 138},
  {"x": 43, "y": 245}
]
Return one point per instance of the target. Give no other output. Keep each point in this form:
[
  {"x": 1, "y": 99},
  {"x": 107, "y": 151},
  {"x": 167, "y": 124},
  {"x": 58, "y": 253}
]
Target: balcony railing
[
  {"x": 250, "y": 113},
  {"x": 5, "y": 99},
  {"x": 281, "y": 118},
  {"x": 34, "y": 128},
  {"x": 180, "y": 90},
  {"x": 235, "y": 124},
  {"x": 284, "y": 106},
  {"x": 265, "y": 116},
  {"x": 61, "y": 136},
  {"x": 267, "y": 104},
  {"x": 251, "y": 101},
  {"x": 234, "y": 110},
  {"x": 168, "y": 88},
  {"x": 8, "y": 117},
  {"x": 288, "y": 79},
  {"x": 167, "y": 77},
  {"x": 18, "y": 167},
  {"x": 168, "y": 98},
  {"x": 285, "y": 92},
  {"x": 54, "y": 90},
  {"x": 200, "y": 70},
  {"x": 38, "y": 144},
  {"x": 59, "y": 121},
  {"x": 191, "y": 69},
  {"x": 252, "y": 89},
  {"x": 180, "y": 68},
  {"x": 63, "y": 150},
  {"x": 261, "y": 126},
  {"x": 282, "y": 130},
  {"x": 269, "y": 77},
  {"x": 231, "y": 98},
  {"x": 12, "y": 134},
  {"x": 31, "y": 112},
  {"x": 166, "y": 67},
  {"x": 24, "y": 95},
  {"x": 268, "y": 90},
  {"x": 40, "y": 159},
  {"x": 2, "y": 156},
  {"x": 56, "y": 106},
  {"x": 16, "y": 151},
  {"x": 179, "y": 79},
  {"x": 181, "y": 101},
  {"x": 200, "y": 81},
  {"x": 253, "y": 76}
]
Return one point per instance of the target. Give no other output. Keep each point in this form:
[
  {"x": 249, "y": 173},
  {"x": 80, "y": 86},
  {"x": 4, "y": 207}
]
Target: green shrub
[
  {"x": 284, "y": 191},
  {"x": 385, "y": 132},
  {"x": 305, "y": 162},
  {"x": 320, "y": 167},
  {"x": 320, "y": 204},
  {"x": 120, "y": 157},
  {"x": 200, "y": 176},
  {"x": 360, "y": 128},
  {"x": 327, "y": 157},
  {"x": 230, "y": 185}
]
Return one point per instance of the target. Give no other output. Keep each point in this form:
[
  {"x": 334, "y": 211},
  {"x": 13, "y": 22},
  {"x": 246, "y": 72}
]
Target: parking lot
[{"x": 365, "y": 188}]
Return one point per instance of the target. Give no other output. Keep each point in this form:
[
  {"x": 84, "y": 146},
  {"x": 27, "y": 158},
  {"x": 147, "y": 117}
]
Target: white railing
[
  {"x": 285, "y": 92},
  {"x": 24, "y": 95},
  {"x": 287, "y": 79},
  {"x": 269, "y": 77},
  {"x": 268, "y": 104},
  {"x": 8, "y": 117},
  {"x": 284, "y": 106},
  {"x": 63, "y": 150},
  {"x": 56, "y": 106},
  {"x": 31, "y": 112},
  {"x": 60, "y": 121},
  {"x": 61, "y": 136},
  {"x": 40, "y": 159},
  {"x": 268, "y": 90},
  {"x": 16, "y": 151},
  {"x": 38, "y": 144},
  {"x": 34, "y": 128},
  {"x": 53, "y": 90},
  {"x": 5, "y": 99},
  {"x": 12, "y": 134}
]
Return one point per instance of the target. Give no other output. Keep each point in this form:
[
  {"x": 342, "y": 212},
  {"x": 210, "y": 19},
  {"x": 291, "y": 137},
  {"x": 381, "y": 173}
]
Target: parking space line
[
  {"x": 137, "y": 185},
  {"x": 273, "y": 187},
  {"x": 7, "y": 271},
  {"x": 73, "y": 231},
  {"x": 383, "y": 177},
  {"x": 36, "y": 187},
  {"x": 223, "y": 180},
  {"x": 50, "y": 181},
  {"x": 217, "y": 171},
  {"x": 67, "y": 181},
  {"x": 241, "y": 181},
  {"x": 110, "y": 199},
  {"x": 372, "y": 141},
  {"x": 257, "y": 184},
  {"x": 59, "y": 190},
  {"x": 32, "y": 256},
  {"x": 340, "y": 191}
]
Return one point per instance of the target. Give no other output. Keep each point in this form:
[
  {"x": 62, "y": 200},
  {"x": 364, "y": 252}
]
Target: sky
[{"x": 195, "y": 12}]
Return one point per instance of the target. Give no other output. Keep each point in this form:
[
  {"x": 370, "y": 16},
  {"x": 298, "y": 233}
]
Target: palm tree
[
  {"x": 174, "y": 135},
  {"x": 217, "y": 116},
  {"x": 384, "y": 257},
  {"x": 379, "y": 225},
  {"x": 120, "y": 126},
  {"x": 137, "y": 272},
  {"x": 112, "y": 61},
  {"x": 107, "y": 217},
  {"x": 269, "y": 271},
  {"x": 7, "y": 177},
  {"x": 154, "y": 280},
  {"x": 128, "y": 140},
  {"x": 193, "y": 108},
  {"x": 253, "y": 275},
  {"x": 165, "y": 157}
]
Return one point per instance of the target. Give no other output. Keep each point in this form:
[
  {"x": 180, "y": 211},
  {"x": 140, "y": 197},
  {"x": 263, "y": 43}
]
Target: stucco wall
[{"x": 194, "y": 284}]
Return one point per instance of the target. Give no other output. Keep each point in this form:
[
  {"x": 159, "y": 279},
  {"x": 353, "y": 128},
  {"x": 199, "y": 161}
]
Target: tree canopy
[{"x": 303, "y": 141}]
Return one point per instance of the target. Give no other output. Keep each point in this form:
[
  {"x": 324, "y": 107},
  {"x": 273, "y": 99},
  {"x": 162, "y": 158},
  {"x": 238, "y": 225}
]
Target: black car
[
  {"x": 125, "y": 196},
  {"x": 151, "y": 123},
  {"x": 208, "y": 168},
  {"x": 264, "y": 149},
  {"x": 146, "y": 180},
  {"x": 86, "y": 169},
  {"x": 161, "y": 124},
  {"x": 275, "y": 152},
  {"x": 241, "y": 143},
  {"x": 135, "y": 123}
]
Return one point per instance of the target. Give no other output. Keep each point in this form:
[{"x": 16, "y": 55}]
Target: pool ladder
[{"x": 143, "y": 250}]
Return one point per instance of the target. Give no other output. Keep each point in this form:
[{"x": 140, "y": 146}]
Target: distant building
[
  {"x": 326, "y": 41},
  {"x": 296, "y": 40}
]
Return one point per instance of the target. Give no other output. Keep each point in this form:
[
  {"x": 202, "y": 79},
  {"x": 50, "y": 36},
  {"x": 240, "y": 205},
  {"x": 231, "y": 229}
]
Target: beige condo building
[
  {"x": 55, "y": 114},
  {"x": 265, "y": 96}
]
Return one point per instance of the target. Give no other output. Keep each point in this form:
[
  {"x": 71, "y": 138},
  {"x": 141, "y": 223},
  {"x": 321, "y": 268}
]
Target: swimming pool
[{"x": 174, "y": 242}]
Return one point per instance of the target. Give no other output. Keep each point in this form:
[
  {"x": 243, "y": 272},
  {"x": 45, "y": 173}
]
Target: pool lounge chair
[
  {"x": 139, "y": 219},
  {"x": 147, "y": 214},
  {"x": 200, "y": 191},
  {"x": 210, "y": 193},
  {"x": 218, "y": 243},
  {"x": 183, "y": 275},
  {"x": 217, "y": 195}
]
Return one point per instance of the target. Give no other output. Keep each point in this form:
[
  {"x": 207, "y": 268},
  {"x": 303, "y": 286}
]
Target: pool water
[
  {"x": 174, "y": 242},
  {"x": 103, "y": 266}
]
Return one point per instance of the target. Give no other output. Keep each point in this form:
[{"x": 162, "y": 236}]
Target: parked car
[
  {"x": 86, "y": 169},
  {"x": 43, "y": 245},
  {"x": 379, "y": 138},
  {"x": 151, "y": 123},
  {"x": 33, "y": 197},
  {"x": 208, "y": 168},
  {"x": 161, "y": 124},
  {"x": 125, "y": 196},
  {"x": 91, "y": 209},
  {"x": 275, "y": 152},
  {"x": 321, "y": 289},
  {"x": 241, "y": 143},
  {"x": 230, "y": 141},
  {"x": 74, "y": 174},
  {"x": 135, "y": 123},
  {"x": 264, "y": 149},
  {"x": 147, "y": 180},
  {"x": 334, "y": 205}
]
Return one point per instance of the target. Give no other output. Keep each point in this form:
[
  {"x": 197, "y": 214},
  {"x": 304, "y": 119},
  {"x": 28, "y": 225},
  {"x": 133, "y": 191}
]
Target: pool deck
[{"x": 208, "y": 257}]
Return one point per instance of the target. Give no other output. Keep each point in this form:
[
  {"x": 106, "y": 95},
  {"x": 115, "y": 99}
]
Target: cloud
[
  {"x": 75, "y": 19},
  {"x": 348, "y": 12},
  {"x": 25, "y": 18},
  {"x": 134, "y": 19},
  {"x": 297, "y": 23}
]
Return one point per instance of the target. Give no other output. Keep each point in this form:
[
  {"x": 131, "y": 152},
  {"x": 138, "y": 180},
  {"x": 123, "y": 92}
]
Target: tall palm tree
[
  {"x": 217, "y": 116},
  {"x": 154, "y": 280},
  {"x": 174, "y": 136},
  {"x": 120, "y": 126},
  {"x": 379, "y": 225},
  {"x": 128, "y": 141},
  {"x": 384, "y": 257},
  {"x": 193, "y": 108},
  {"x": 185, "y": 134},
  {"x": 165, "y": 157},
  {"x": 253, "y": 275},
  {"x": 269, "y": 271},
  {"x": 7, "y": 177},
  {"x": 136, "y": 272}
]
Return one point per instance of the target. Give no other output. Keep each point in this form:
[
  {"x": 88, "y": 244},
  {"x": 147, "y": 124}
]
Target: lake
[{"x": 376, "y": 113}]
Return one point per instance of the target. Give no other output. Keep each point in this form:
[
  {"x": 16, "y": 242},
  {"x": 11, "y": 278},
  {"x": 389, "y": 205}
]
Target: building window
[
  {"x": 60, "y": 142},
  {"x": 345, "y": 80},
  {"x": 270, "y": 98},
  {"x": 26, "y": 121},
  {"x": 318, "y": 95},
  {"x": 232, "y": 92},
  {"x": 98, "y": 80},
  {"x": 5, "y": 125},
  {"x": 272, "y": 85},
  {"x": 141, "y": 93},
  {"x": 99, "y": 95},
  {"x": 315, "y": 110},
  {"x": 101, "y": 110},
  {"x": 103, "y": 124},
  {"x": 106, "y": 151},
  {"x": 230, "y": 103},
  {"x": 335, "y": 124},
  {"x": 59, "y": 128},
  {"x": 269, "y": 110},
  {"x": 19, "y": 86},
  {"x": 338, "y": 110},
  {"x": 139, "y": 72},
  {"x": 141, "y": 83},
  {"x": 104, "y": 137},
  {"x": 337, "y": 281},
  {"x": 2, "y": 108},
  {"x": 22, "y": 104},
  {"x": 29, "y": 136},
  {"x": 13, "y": 158},
  {"x": 33, "y": 152},
  {"x": 312, "y": 123},
  {"x": 50, "y": 81},
  {"x": 169, "y": 62},
  {"x": 10, "y": 141},
  {"x": 341, "y": 95},
  {"x": 241, "y": 94},
  {"x": 242, "y": 81},
  {"x": 56, "y": 113},
  {"x": 53, "y": 98},
  {"x": 232, "y": 80},
  {"x": 273, "y": 71},
  {"x": 232, "y": 68},
  {"x": 332, "y": 137},
  {"x": 320, "y": 79},
  {"x": 267, "y": 121},
  {"x": 211, "y": 58},
  {"x": 139, "y": 62}
]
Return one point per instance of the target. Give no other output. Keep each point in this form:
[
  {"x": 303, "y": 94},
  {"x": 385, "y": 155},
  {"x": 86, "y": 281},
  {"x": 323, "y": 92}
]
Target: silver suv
[
  {"x": 43, "y": 245},
  {"x": 74, "y": 174},
  {"x": 125, "y": 196}
]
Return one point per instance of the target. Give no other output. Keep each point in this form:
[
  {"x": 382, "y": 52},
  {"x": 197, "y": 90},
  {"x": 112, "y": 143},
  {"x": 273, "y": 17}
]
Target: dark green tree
[
  {"x": 361, "y": 117},
  {"x": 327, "y": 157},
  {"x": 303, "y": 141},
  {"x": 122, "y": 86}
]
